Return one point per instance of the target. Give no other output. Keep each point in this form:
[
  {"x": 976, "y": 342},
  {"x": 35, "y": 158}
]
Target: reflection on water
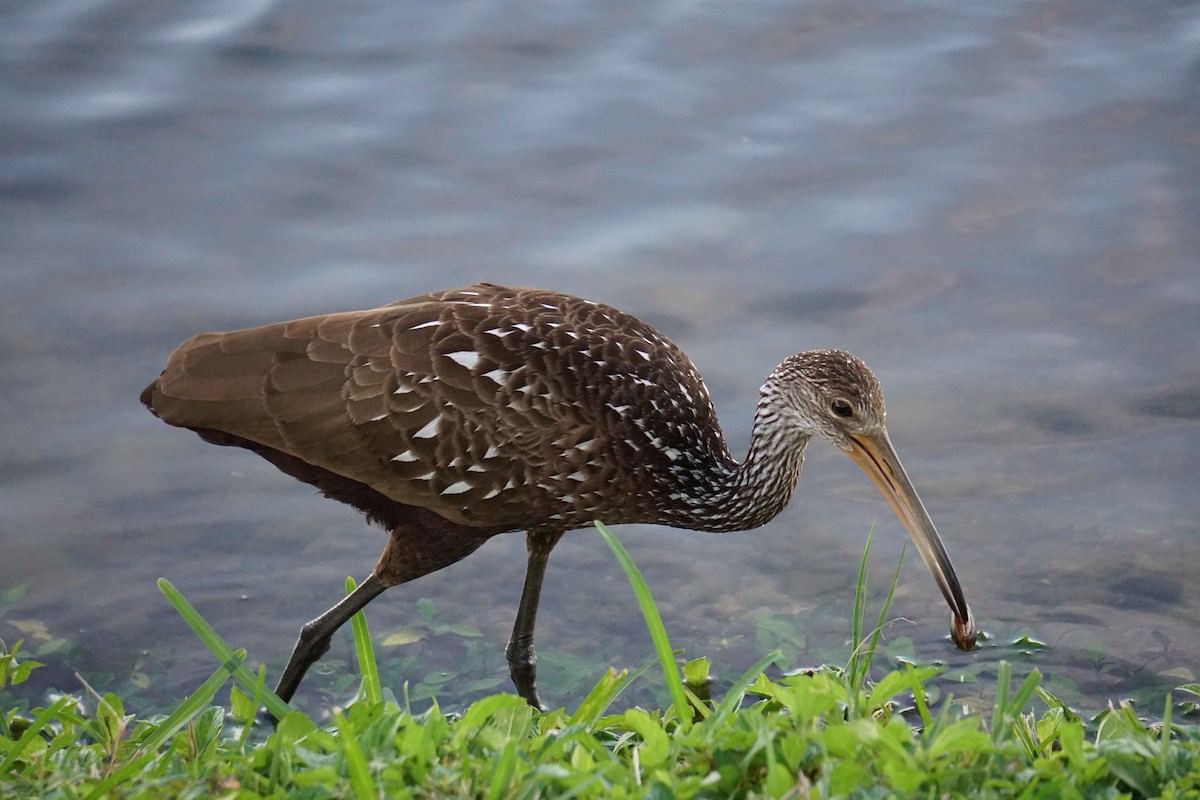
[{"x": 995, "y": 206}]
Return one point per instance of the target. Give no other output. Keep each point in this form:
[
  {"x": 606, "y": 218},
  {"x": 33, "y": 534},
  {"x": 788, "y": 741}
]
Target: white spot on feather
[
  {"x": 457, "y": 488},
  {"x": 467, "y": 358},
  {"x": 406, "y": 456},
  {"x": 429, "y": 431},
  {"x": 429, "y": 324}
]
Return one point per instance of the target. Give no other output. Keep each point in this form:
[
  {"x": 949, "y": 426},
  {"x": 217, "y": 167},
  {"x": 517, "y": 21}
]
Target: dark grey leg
[
  {"x": 420, "y": 543},
  {"x": 315, "y": 636},
  {"x": 522, "y": 660}
]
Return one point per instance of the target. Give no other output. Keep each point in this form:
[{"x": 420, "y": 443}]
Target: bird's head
[
  {"x": 829, "y": 394},
  {"x": 833, "y": 395}
]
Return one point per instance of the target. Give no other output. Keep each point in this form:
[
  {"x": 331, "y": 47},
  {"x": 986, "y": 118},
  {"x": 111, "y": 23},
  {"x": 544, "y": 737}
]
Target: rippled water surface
[{"x": 996, "y": 205}]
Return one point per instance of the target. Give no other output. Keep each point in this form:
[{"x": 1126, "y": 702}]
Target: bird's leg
[
  {"x": 316, "y": 635},
  {"x": 414, "y": 549},
  {"x": 522, "y": 660}
]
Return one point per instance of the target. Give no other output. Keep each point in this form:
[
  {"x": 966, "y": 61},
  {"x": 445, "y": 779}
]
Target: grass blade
[
  {"x": 1008, "y": 708},
  {"x": 856, "y": 619},
  {"x": 858, "y": 669},
  {"x": 1026, "y": 692},
  {"x": 502, "y": 772},
  {"x": 658, "y": 634},
  {"x": 356, "y": 763},
  {"x": 869, "y": 655},
  {"x": 121, "y": 775},
  {"x": 1165, "y": 737},
  {"x": 733, "y": 698},
  {"x": 1003, "y": 687},
  {"x": 367, "y": 667},
  {"x": 610, "y": 686},
  {"x": 195, "y": 703},
  {"x": 220, "y": 649}
]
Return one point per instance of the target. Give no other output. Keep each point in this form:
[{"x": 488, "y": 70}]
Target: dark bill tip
[{"x": 962, "y": 631}]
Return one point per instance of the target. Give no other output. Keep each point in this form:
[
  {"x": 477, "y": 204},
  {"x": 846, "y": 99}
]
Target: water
[{"x": 996, "y": 206}]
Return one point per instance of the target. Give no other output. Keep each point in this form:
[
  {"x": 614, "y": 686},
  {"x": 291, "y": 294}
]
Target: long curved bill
[{"x": 875, "y": 454}]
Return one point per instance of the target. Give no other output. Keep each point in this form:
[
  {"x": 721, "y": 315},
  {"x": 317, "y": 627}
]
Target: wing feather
[{"x": 490, "y": 406}]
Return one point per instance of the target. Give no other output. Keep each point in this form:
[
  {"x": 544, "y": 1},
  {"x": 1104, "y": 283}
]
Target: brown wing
[{"x": 493, "y": 407}]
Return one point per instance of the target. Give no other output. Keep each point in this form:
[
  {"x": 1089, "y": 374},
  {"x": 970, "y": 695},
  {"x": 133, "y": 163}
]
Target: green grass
[{"x": 828, "y": 732}]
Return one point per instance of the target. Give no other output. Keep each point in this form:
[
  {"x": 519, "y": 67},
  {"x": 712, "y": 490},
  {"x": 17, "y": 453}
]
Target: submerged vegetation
[{"x": 846, "y": 731}]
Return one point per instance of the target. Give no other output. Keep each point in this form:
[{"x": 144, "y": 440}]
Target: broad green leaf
[
  {"x": 696, "y": 672},
  {"x": 899, "y": 681},
  {"x": 963, "y": 736},
  {"x": 655, "y": 744}
]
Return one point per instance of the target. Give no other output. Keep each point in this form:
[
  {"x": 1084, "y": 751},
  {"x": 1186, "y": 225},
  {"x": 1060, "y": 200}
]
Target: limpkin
[{"x": 454, "y": 416}]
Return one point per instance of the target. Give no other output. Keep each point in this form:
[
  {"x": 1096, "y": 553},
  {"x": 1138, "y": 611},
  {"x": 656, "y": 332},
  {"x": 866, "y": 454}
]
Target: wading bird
[{"x": 454, "y": 416}]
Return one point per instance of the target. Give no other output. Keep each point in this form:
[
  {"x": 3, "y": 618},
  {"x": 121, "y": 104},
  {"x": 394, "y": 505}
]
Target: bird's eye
[{"x": 841, "y": 408}]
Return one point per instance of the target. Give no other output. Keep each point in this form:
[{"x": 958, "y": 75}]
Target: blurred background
[{"x": 996, "y": 205}]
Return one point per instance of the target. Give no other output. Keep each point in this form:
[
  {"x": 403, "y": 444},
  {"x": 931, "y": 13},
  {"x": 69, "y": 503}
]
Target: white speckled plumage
[{"x": 456, "y": 415}]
